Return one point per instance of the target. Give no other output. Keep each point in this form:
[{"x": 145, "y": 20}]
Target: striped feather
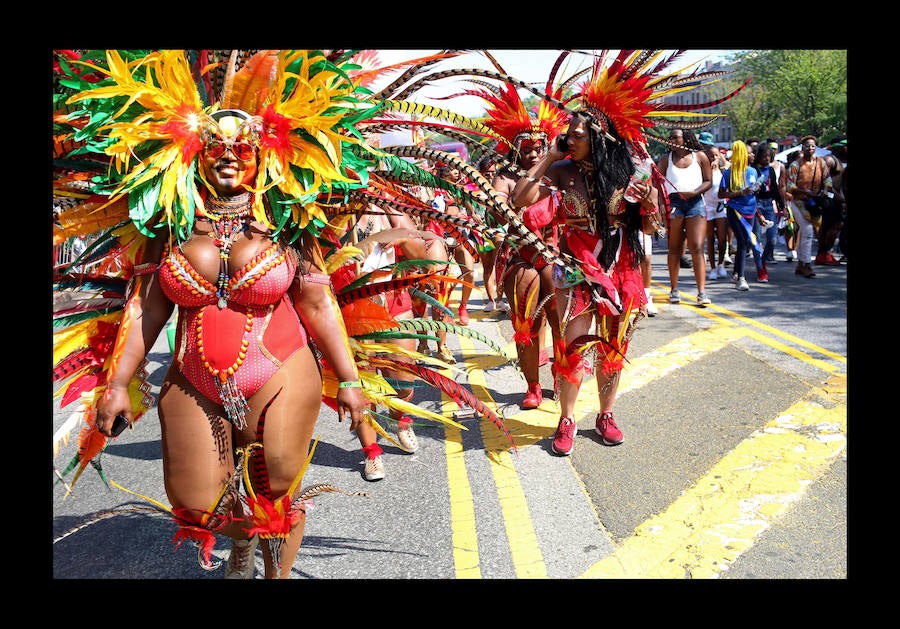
[
  {"x": 454, "y": 390},
  {"x": 430, "y": 325}
]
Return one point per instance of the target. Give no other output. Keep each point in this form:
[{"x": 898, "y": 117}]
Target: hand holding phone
[
  {"x": 562, "y": 142},
  {"x": 120, "y": 423}
]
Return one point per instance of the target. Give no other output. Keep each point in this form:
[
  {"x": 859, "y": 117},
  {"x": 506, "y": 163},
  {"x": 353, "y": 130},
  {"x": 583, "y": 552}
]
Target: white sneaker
[
  {"x": 742, "y": 284},
  {"x": 789, "y": 256},
  {"x": 374, "y": 468},
  {"x": 727, "y": 261},
  {"x": 712, "y": 274},
  {"x": 502, "y": 306},
  {"x": 652, "y": 310},
  {"x": 674, "y": 297},
  {"x": 407, "y": 437},
  {"x": 489, "y": 306},
  {"x": 702, "y": 299},
  {"x": 721, "y": 272}
]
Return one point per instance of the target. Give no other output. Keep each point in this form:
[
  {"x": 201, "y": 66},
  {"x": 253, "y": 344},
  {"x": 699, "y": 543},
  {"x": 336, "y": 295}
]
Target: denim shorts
[{"x": 687, "y": 208}]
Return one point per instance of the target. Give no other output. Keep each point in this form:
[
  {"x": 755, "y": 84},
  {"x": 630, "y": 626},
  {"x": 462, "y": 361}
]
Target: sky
[{"x": 529, "y": 65}]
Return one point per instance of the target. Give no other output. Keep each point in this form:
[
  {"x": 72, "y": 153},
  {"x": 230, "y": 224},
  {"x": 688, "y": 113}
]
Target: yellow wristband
[{"x": 350, "y": 384}]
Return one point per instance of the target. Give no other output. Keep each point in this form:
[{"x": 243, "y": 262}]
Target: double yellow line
[{"x": 713, "y": 522}]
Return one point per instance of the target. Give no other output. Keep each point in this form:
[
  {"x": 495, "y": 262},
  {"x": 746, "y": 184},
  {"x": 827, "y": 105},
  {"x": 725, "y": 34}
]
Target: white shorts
[{"x": 714, "y": 212}]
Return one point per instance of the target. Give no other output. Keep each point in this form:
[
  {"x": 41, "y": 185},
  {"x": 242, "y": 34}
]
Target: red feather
[
  {"x": 456, "y": 392},
  {"x": 83, "y": 383}
]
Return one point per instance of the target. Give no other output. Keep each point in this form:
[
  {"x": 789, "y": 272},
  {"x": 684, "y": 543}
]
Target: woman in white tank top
[{"x": 688, "y": 176}]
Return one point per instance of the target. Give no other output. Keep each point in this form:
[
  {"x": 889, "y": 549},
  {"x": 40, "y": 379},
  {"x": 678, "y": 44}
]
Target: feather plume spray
[
  {"x": 342, "y": 256},
  {"x": 400, "y": 266},
  {"x": 421, "y": 64},
  {"x": 430, "y": 325},
  {"x": 516, "y": 229},
  {"x": 375, "y": 347},
  {"x": 541, "y": 304},
  {"x": 419, "y": 210},
  {"x": 587, "y": 342},
  {"x": 377, "y": 288},
  {"x": 364, "y": 316},
  {"x": 381, "y": 125},
  {"x": 453, "y": 389},
  {"x": 421, "y": 109},
  {"x": 377, "y": 391}
]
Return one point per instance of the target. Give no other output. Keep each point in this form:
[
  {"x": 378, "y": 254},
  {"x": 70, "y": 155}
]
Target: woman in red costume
[
  {"x": 251, "y": 293},
  {"x": 525, "y": 276},
  {"x": 247, "y": 306},
  {"x": 591, "y": 166}
]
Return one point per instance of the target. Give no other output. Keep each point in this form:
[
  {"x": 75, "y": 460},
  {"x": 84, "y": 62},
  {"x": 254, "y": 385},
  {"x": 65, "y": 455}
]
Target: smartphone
[
  {"x": 562, "y": 142},
  {"x": 120, "y": 423}
]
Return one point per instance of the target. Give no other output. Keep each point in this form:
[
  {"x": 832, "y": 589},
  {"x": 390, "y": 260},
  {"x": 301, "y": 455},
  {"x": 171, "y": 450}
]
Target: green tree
[{"x": 792, "y": 92}]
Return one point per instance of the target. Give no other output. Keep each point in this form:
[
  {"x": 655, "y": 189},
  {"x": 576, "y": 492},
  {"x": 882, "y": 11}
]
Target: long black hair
[{"x": 613, "y": 168}]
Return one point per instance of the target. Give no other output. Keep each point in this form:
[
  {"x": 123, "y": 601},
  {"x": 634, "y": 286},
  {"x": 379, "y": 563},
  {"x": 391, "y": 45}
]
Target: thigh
[
  {"x": 522, "y": 282},
  {"x": 696, "y": 229},
  {"x": 196, "y": 444},
  {"x": 284, "y": 412},
  {"x": 676, "y": 234}
]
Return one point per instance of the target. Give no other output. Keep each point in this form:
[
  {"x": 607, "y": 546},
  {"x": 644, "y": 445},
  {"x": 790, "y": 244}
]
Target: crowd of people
[{"x": 292, "y": 251}]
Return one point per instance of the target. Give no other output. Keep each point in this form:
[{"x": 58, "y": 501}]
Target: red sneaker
[
  {"x": 463, "y": 316},
  {"x": 607, "y": 429},
  {"x": 762, "y": 275},
  {"x": 564, "y": 439},
  {"x": 533, "y": 396},
  {"x": 827, "y": 259}
]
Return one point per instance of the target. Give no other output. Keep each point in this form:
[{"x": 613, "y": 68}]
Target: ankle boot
[{"x": 241, "y": 563}]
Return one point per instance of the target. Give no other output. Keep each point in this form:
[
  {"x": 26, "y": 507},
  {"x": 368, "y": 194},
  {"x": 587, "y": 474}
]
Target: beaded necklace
[
  {"x": 228, "y": 218},
  {"x": 586, "y": 170}
]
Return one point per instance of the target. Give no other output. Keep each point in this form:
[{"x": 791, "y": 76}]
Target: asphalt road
[{"x": 734, "y": 464}]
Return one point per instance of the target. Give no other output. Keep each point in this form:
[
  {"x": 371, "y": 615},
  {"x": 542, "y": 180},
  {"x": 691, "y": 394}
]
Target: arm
[
  {"x": 412, "y": 248},
  {"x": 724, "y": 183},
  {"x": 527, "y": 192},
  {"x": 146, "y": 312},
  {"x": 782, "y": 186},
  {"x": 650, "y": 216},
  {"x": 319, "y": 311}
]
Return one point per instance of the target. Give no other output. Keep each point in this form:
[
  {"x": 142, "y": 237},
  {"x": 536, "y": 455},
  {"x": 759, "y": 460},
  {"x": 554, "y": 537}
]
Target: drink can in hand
[{"x": 642, "y": 171}]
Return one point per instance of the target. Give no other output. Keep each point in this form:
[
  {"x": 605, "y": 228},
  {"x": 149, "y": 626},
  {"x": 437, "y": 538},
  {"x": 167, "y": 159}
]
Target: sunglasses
[{"x": 215, "y": 148}]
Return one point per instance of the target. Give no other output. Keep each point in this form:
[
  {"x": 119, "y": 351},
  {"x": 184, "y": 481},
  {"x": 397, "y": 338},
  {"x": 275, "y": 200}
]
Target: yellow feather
[{"x": 341, "y": 257}]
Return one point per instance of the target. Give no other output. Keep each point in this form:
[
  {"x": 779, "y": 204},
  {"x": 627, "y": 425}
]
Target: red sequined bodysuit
[{"x": 250, "y": 337}]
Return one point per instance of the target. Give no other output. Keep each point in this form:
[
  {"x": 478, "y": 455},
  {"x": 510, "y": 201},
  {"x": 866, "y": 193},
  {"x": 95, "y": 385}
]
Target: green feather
[{"x": 429, "y": 325}]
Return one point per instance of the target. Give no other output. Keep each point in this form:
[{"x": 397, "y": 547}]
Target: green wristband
[{"x": 350, "y": 384}]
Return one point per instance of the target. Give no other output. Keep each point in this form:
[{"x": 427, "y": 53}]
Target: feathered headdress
[
  {"x": 508, "y": 116},
  {"x": 628, "y": 94},
  {"x": 151, "y": 114}
]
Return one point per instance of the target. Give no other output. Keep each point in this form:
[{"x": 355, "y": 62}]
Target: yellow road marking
[
  {"x": 528, "y": 562},
  {"x": 722, "y": 514},
  {"x": 462, "y": 510},
  {"x": 743, "y": 495}
]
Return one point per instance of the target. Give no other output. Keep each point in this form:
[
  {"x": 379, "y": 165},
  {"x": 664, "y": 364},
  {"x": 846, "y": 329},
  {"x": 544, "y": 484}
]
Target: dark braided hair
[{"x": 613, "y": 168}]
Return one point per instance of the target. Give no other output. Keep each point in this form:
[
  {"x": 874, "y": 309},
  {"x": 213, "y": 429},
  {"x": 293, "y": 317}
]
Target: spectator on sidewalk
[
  {"x": 738, "y": 187},
  {"x": 768, "y": 202},
  {"x": 716, "y": 222},
  {"x": 688, "y": 175},
  {"x": 808, "y": 182}
]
